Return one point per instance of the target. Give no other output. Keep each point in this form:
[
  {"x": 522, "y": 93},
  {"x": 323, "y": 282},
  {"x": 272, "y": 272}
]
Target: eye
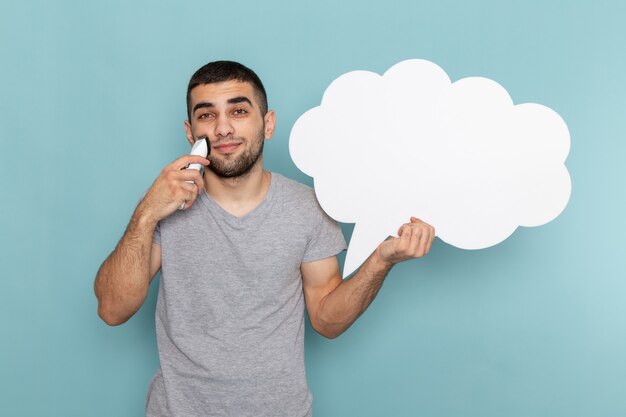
[
  {"x": 240, "y": 112},
  {"x": 205, "y": 116}
]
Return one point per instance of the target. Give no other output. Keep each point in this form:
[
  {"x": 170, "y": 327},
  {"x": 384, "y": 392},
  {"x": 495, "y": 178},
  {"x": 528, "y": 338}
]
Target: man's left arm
[{"x": 333, "y": 304}]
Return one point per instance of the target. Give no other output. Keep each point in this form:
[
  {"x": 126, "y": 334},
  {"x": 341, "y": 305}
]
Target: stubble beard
[{"x": 233, "y": 167}]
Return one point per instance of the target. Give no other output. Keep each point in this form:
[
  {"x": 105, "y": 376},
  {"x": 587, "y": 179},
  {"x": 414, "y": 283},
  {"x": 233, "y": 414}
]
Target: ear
[
  {"x": 270, "y": 124},
  {"x": 189, "y": 134}
]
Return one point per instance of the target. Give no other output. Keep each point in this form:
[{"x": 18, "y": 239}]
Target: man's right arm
[{"x": 122, "y": 281}]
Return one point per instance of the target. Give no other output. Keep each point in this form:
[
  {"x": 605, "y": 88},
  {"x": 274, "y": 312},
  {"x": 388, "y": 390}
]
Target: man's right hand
[{"x": 171, "y": 190}]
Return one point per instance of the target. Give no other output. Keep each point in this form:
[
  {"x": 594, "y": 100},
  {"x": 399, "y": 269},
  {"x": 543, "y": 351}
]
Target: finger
[
  {"x": 187, "y": 201},
  {"x": 190, "y": 187},
  {"x": 416, "y": 240},
  {"x": 194, "y": 176},
  {"x": 405, "y": 233},
  {"x": 185, "y": 160},
  {"x": 199, "y": 181},
  {"x": 416, "y": 220},
  {"x": 190, "y": 193},
  {"x": 407, "y": 241},
  {"x": 431, "y": 239},
  {"x": 191, "y": 175},
  {"x": 423, "y": 242},
  {"x": 401, "y": 242}
]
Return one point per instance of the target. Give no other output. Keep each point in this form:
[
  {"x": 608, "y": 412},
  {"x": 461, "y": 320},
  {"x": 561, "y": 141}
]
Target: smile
[{"x": 227, "y": 147}]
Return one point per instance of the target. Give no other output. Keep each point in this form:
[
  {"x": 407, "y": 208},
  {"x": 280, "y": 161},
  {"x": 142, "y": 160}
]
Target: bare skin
[
  {"x": 334, "y": 304},
  {"x": 122, "y": 282},
  {"x": 228, "y": 114}
]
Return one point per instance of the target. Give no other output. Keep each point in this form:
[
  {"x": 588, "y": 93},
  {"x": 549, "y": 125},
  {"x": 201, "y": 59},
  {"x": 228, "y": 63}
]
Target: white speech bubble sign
[{"x": 460, "y": 156}]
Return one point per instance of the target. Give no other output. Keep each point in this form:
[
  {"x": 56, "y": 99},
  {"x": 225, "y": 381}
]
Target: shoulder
[
  {"x": 293, "y": 191},
  {"x": 299, "y": 201}
]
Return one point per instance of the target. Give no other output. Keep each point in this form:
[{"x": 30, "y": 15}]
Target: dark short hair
[{"x": 220, "y": 71}]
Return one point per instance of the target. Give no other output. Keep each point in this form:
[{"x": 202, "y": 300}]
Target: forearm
[
  {"x": 122, "y": 282},
  {"x": 341, "y": 307},
  {"x": 333, "y": 305}
]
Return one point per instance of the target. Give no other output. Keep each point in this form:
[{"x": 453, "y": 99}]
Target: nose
[{"x": 223, "y": 127}]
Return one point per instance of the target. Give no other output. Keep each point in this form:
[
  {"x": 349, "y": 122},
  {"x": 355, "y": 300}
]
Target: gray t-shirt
[{"x": 230, "y": 309}]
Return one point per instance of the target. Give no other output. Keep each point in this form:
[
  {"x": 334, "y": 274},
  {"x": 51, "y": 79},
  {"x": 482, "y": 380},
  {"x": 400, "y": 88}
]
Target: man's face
[{"x": 229, "y": 115}]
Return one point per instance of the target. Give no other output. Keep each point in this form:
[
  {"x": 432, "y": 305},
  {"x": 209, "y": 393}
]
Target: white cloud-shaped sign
[{"x": 460, "y": 156}]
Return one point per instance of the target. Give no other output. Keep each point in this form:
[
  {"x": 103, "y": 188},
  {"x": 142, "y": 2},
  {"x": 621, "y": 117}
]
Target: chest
[{"x": 210, "y": 256}]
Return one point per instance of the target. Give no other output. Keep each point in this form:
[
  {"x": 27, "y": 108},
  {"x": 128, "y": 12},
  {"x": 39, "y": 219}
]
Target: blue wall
[{"x": 92, "y": 106}]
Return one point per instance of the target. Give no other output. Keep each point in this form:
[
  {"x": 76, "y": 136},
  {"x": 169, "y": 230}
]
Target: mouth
[{"x": 227, "y": 147}]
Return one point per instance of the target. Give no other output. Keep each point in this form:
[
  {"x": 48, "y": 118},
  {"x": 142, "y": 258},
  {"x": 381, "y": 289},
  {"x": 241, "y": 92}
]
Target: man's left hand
[{"x": 413, "y": 241}]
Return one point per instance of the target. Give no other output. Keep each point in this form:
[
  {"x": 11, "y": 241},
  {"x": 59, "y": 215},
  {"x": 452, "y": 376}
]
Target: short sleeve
[{"x": 327, "y": 240}]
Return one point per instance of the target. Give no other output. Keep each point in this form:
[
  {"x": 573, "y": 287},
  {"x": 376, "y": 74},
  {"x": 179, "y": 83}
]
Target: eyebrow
[
  {"x": 240, "y": 99},
  {"x": 234, "y": 100}
]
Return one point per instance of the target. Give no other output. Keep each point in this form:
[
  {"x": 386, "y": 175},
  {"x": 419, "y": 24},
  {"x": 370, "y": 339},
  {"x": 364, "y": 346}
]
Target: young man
[{"x": 248, "y": 251}]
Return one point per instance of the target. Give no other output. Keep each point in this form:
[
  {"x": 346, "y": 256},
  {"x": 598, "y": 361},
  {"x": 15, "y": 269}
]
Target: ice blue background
[{"x": 92, "y": 106}]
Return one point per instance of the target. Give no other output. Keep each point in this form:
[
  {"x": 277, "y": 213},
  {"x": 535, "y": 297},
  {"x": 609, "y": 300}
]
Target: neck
[{"x": 238, "y": 195}]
